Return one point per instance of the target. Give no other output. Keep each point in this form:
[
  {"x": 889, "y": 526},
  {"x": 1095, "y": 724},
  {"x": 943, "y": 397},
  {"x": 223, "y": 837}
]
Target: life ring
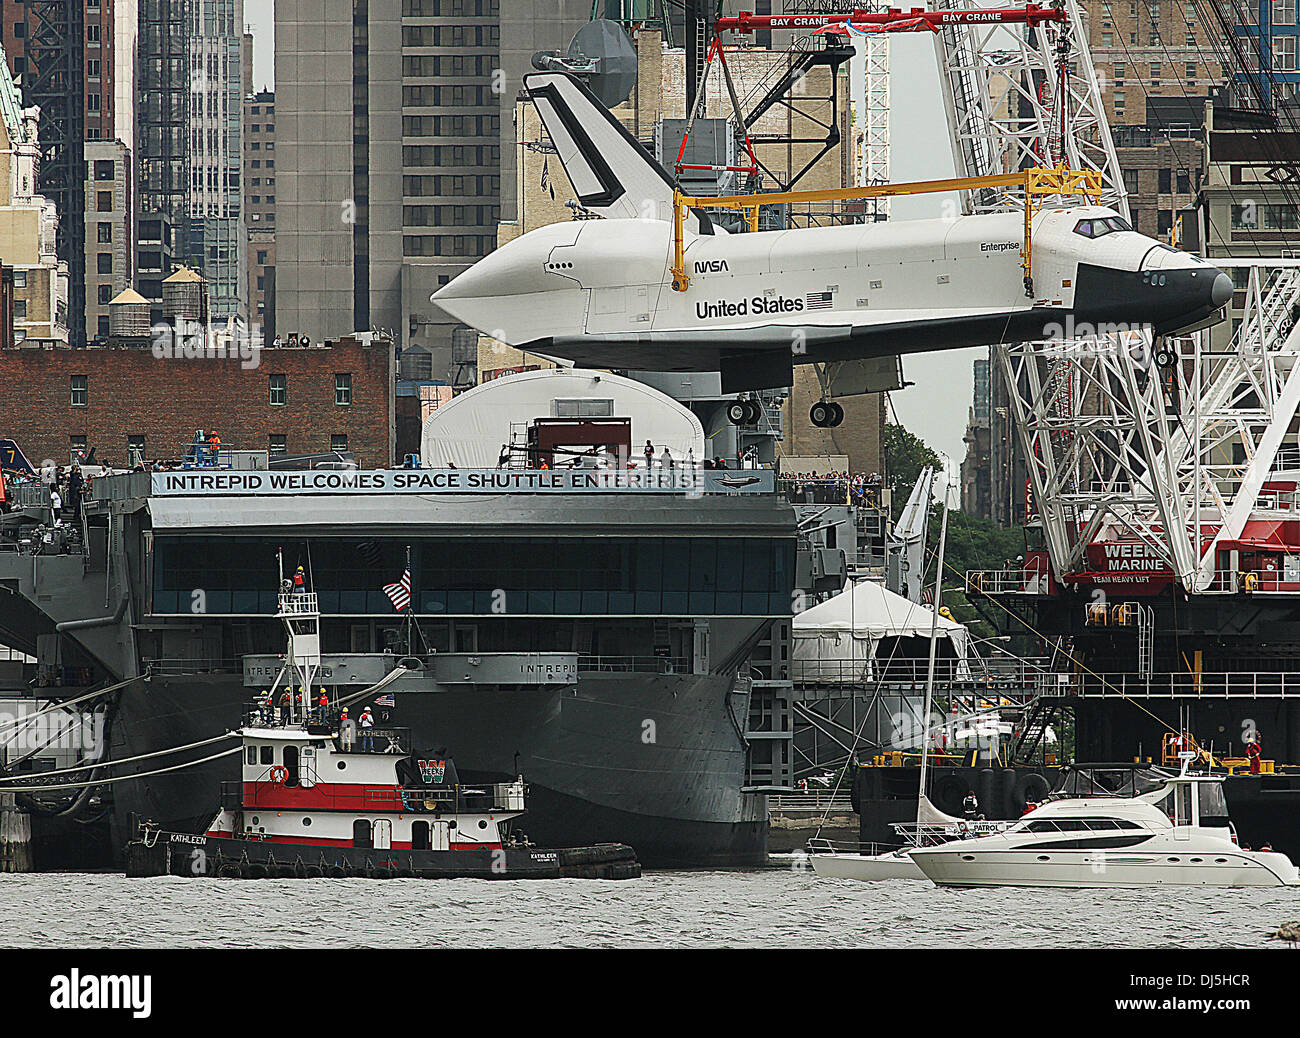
[{"x": 279, "y": 774}]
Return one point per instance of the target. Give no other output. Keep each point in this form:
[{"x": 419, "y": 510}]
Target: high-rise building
[
  {"x": 189, "y": 135},
  {"x": 389, "y": 128},
  {"x": 110, "y": 249},
  {"x": 215, "y": 241},
  {"x": 259, "y": 208}
]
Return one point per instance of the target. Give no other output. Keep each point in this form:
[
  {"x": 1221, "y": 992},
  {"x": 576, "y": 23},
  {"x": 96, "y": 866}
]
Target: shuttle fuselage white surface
[{"x": 600, "y": 292}]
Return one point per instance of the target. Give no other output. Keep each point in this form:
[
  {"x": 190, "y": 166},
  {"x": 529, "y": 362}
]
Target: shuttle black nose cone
[{"x": 1221, "y": 290}]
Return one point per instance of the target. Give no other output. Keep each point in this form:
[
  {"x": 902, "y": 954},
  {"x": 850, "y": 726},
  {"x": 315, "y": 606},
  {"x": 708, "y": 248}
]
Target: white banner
[{"x": 227, "y": 482}]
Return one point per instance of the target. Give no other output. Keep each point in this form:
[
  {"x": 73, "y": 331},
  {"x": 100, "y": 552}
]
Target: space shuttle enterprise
[{"x": 611, "y": 292}]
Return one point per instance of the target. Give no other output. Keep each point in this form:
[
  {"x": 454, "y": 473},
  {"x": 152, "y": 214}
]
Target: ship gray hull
[{"x": 653, "y": 761}]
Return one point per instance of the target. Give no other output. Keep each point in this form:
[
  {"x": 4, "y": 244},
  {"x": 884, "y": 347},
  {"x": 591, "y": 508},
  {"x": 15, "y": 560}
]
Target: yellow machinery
[{"x": 1038, "y": 184}]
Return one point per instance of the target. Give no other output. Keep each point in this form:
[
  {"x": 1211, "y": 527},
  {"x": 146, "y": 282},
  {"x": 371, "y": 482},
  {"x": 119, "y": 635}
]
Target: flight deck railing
[{"x": 1119, "y": 685}]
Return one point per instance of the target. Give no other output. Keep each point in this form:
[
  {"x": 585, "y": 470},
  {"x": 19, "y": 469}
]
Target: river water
[{"x": 782, "y": 906}]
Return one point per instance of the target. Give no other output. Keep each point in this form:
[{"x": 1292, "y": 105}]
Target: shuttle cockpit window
[{"x": 1100, "y": 225}]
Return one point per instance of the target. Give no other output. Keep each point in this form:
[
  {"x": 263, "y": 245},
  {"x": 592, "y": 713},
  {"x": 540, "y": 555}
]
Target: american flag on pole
[{"x": 400, "y": 593}]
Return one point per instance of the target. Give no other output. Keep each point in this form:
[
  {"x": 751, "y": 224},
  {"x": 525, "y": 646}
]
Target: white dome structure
[{"x": 470, "y": 431}]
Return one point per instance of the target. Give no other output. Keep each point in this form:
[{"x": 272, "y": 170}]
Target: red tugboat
[{"x": 325, "y": 795}]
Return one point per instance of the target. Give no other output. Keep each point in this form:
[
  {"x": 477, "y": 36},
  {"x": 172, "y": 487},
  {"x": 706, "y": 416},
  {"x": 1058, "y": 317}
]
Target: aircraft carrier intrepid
[{"x": 601, "y": 632}]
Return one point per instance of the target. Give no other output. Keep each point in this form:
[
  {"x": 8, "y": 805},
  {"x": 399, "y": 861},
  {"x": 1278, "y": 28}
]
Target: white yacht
[
  {"x": 1175, "y": 834},
  {"x": 838, "y": 861}
]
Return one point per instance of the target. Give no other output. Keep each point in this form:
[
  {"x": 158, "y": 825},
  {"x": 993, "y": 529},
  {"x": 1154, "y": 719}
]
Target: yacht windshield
[{"x": 1214, "y": 805}]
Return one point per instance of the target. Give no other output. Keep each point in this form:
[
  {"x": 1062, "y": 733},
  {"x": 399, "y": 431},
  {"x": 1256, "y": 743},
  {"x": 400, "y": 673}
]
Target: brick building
[{"x": 338, "y": 395}]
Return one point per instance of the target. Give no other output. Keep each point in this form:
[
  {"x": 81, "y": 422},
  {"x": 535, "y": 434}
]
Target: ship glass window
[
  {"x": 361, "y": 833},
  {"x": 555, "y": 576},
  {"x": 252, "y": 755},
  {"x": 268, "y": 754}
]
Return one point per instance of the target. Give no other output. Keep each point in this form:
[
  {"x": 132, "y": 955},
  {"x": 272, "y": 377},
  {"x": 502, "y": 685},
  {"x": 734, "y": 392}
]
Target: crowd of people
[{"x": 831, "y": 487}]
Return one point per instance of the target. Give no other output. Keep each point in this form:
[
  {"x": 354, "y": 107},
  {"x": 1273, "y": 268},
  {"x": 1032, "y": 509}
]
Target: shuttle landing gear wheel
[
  {"x": 753, "y": 412},
  {"x": 826, "y": 414},
  {"x": 1165, "y": 357},
  {"x": 738, "y": 412}
]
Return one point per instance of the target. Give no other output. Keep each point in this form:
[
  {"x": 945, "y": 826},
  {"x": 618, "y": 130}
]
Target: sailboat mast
[{"x": 929, "y": 677}]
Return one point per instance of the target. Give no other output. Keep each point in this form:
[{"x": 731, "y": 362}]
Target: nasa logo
[{"x": 710, "y": 266}]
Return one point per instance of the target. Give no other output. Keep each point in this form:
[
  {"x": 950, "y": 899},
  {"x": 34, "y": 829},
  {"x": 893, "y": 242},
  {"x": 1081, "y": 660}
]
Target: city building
[
  {"x": 110, "y": 222},
  {"x": 1269, "y": 30},
  {"x": 189, "y": 151},
  {"x": 28, "y": 230},
  {"x": 330, "y": 396},
  {"x": 259, "y": 207},
  {"x": 76, "y": 62},
  {"x": 389, "y": 121},
  {"x": 1157, "y": 62},
  {"x": 215, "y": 240},
  {"x": 976, "y": 485}
]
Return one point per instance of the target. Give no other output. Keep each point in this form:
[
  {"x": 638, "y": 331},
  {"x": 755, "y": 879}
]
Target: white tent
[{"x": 837, "y": 640}]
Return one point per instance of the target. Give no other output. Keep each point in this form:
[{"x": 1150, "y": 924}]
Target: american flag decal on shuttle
[{"x": 820, "y": 300}]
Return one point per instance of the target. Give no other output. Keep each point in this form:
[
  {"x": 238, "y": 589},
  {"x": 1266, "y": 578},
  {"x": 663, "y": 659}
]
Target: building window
[
  {"x": 339, "y": 442},
  {"x": 92, "y": 33},
  {"x": 92, "y": 69},
  {"x": 105, "y": 169},
  {"x": 1284, "y": 53},
  {"x": 1284, "y": 12},
  {"x": 261, "y": 257},
  {"x": 1131, "y": 181},
  {"x": 80, "y": 387},
  {"x": 275, "y": 443},
  {"x": 92, "y": 102},
  {"x": 343, "y": 389},
  {"x": 20, "y": 279},
  {"x": 101, "y": 325},
  {"x": 1118, "y": 98},
  {"x": 20, "y": 309},
  {"x": 1164, "y": 177},
  {"x": 104, "y": 201},
  {"x": 104, "y": 262},
  {"x": 1155, "y": 73},
  {"x": 105, "y": 294},
  {"x": 104, "y": 233},
  {"x": 135, "y": 449},
  {"x": 279, "y": 390}
]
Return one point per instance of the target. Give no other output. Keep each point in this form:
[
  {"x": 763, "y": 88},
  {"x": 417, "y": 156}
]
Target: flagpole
[{"x": 410, "y": 606}]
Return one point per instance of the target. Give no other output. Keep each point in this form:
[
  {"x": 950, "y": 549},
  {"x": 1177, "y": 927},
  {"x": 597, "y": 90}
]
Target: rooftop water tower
[
  {"x": 185, "y": 295},
  {"x": 128, "y": 315}
]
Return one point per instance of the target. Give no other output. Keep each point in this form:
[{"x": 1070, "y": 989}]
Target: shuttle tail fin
[{"x": 611, "y": 173}]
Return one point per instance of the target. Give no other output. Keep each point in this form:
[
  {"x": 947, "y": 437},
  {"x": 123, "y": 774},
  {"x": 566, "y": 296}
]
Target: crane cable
[
  {"x": 121, "y": 760},
  {"x": 121, "y": 778}
]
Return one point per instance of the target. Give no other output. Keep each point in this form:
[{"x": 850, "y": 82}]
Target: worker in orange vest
[
  {"x": 323, "y": 705},
  {"x": 1254, "y": 751},
  {"x": 299, "y": 581}
]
